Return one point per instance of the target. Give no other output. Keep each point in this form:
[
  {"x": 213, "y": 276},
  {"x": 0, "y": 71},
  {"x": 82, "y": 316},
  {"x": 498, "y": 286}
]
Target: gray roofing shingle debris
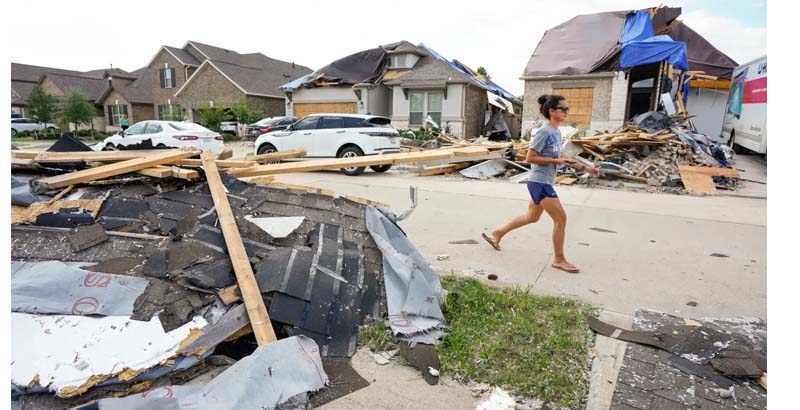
[{"x": 322, "y": 281}]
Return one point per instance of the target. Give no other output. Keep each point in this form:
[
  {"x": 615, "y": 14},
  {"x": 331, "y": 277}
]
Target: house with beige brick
[{"x": 407, "y": 83}]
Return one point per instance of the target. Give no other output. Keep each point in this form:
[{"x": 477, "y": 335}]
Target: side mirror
[{"x": 289, "y": 127}]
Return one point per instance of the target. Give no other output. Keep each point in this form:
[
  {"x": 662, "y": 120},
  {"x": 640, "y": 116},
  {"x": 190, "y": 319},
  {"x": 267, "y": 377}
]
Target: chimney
[{"x": 292, "y": 65}]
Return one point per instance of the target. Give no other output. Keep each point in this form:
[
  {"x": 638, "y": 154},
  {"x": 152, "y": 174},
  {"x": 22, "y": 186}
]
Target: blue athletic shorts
[{"x": 540, "y": 191}]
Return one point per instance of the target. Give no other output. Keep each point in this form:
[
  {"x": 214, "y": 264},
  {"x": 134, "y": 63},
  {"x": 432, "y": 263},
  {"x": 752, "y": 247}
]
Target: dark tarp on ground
[
  {"x": 576, "y": 46},
  {"x": 68, "y": 143},
  {"x": 652, "y": 50}
]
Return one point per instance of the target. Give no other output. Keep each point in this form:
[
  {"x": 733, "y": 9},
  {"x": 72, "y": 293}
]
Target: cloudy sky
[{"x": 499, "y": 35}]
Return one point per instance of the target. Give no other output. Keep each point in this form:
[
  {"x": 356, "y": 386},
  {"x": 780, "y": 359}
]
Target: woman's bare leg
[
  {"x": 532, "y": 216},
  {"x": 556, "y": 211}
]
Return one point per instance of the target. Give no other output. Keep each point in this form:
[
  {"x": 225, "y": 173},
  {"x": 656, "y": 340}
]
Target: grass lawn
[{"x": 532, "y": 346}]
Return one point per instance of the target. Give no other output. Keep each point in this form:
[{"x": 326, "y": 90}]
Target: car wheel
[
  {"x": 13, "y": 132},
  {"x": 161, "y": 146},
  {"x": 380, "y": 168},
  {"x": 109, "y": 147},
  {"x": 266, "y": 149},
  {"x": 352, "y": 152}
]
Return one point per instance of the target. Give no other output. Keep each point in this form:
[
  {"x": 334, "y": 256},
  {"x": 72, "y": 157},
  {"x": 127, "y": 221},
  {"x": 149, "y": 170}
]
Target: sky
[{"x": 500, "y": 35}]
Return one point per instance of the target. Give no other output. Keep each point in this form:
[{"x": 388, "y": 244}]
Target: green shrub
[
  {"x": 24, "y": 134},
  {"x": 230, "y": 137}
]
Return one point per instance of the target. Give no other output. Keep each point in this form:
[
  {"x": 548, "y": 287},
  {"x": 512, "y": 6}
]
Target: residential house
[
  {"x": 199, "y": 75},
  {"x": 407, "y": 83},
  {"x": 581, "y": 59},
  {"x": 25, "y": 77}
]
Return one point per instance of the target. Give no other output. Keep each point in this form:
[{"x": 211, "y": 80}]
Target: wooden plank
[
  {"x": 366, "y": 201},
  {"x": 337, "y": 163},
  {"x": 156, "y": 172},
  {"x": 230, "y": 294},
  {"x": 105, "y": 171},
  {"x": 698, "y": 183},
  {"x": 22, "y": 154},
  {"x": 565, "y": 180},
  {"x": 265, "y": 180},
  {"x": 274, "y": 156},
  {"x": 305, "y": 188},
  {"x": 711, "y": 171},
  {"x": 102, "y": 156},
  {"x": 640, "y": 173},
  {"x": 182, "y": 173},
  {"x": 256, "y": 310},
  {"x": 224, "y": 163},
  {"x": 631, "y": 177},
  {"x": 226, "y": 153},
  {"x": 472, "y": 151},
  {"x": 763, "y": 380},
  {"x": 597, "y": 155},
  {"x": 61, "y": 194},
  {"x": 437, "y": 170}
]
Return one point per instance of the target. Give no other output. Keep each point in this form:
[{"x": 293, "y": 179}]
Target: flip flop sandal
[
  {"x": 491, "y": 241},
  {"x": 565, "y": 268}
]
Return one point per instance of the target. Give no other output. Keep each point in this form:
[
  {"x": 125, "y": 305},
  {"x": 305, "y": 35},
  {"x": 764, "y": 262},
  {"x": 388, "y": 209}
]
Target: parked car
[
  {"x": 268, "y": 125},
  {"x": 228, "y": 127},
  {"x": 164, "y": 134},
  {"x": 335, "y": 136},
  {"x": 29, "y": 124}
]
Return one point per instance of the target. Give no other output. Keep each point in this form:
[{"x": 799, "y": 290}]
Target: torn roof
[
  {"x": 591, "y": 43},
  {"x": 369, "y": 66}
]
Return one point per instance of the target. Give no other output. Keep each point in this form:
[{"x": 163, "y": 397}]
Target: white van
[{"x": 746, "y": 117}]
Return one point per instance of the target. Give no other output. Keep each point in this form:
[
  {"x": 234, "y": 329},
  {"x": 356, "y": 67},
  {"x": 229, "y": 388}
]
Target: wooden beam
[
  {"x": 274, "y": 156},
  {"x": 305, "y": 188},
  {"x": 61, "y": 194},
  {"x": 156, "y": 172},
  {"x": 366, "y": 201},
  {"x": 265, "y": 180},
  {"x": 631, "y": 177},
  {"x": 119, "y": 168},
  {"x": 226, "y": 153},
  {"x": 338, "y": 163},
  {"x": 223, "y": 163},
  {"x": 21, "y": 154},
  {"x": 256, "y": 310},
  {"x": 182, "y": 173},
  {"x": 711, "y": 171},
  {"x": 101, "y": 156}
]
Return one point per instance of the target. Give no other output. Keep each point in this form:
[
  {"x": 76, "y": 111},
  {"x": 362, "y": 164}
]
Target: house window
[
  {"x": 167, "y": 76},
  {"x": 424, "y": 104},
  {"x": 116, "y": 112},
  {"x": 170, "y": 112}
]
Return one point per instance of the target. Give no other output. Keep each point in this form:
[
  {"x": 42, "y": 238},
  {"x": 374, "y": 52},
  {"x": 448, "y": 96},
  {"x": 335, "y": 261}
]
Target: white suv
[
  {"x": 28, "y": 124},
  {"x": 335, "y": 136}
]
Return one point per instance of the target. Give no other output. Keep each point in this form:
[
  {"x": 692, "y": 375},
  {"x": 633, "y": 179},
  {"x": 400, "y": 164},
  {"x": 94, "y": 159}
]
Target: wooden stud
[
  {"x": 101, "y": 156},
  {"x": 274, "y": 156},
  {"x": 225, "y": 163},
  {"x": 305, "y": 188},
  {"x": 229, "y": 294},
  {"x": 265, "y": 180},
  {"x": 256, "y": 310},
  {"x": 105, "y": 171},
  {"x": 182, "y": 173},
  {"x": 226, "y": 153},
  {"x": 156, "y": 172},
  {"x": 61, "y": 194}
]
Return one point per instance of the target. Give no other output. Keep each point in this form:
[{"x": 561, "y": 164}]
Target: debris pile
[{"x": 124, "y": 283}]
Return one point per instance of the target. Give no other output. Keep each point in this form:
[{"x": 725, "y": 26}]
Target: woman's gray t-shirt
[{"x": 547, "y": 142}]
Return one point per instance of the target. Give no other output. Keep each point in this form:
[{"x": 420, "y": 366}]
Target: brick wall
[
  {"x": 474, "y": 111},
  {"x": 161, "y": 95},
  {"x": 271, "y": 107},
  {"x": 209, "y": 85}
]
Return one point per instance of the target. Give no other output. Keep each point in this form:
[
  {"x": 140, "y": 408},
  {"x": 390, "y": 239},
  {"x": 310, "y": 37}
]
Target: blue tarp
[
  {"x": 652, "y": 50},
  {"x": 638, "y": 27}
]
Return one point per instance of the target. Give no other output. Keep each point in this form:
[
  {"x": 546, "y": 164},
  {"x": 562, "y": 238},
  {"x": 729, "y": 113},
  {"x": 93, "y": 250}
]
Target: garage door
[
  {"x": 303, "y": 109},
  {"x": 580, "y": 105}
]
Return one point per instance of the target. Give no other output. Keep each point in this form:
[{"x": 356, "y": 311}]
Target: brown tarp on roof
[{"x": 576, "y": 46}]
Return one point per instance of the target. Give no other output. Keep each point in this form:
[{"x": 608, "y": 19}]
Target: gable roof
[
  {"x": 183, "y": 56},
  {"x": 92, "y": 87},
  {"x": 23, "y": 89},
  {"x": 32, "y": 73},
  {"x": 253, "y": 74}
]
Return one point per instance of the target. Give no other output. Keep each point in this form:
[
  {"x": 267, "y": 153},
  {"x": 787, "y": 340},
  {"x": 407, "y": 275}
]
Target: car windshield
[{"x": 187, "y": 126}]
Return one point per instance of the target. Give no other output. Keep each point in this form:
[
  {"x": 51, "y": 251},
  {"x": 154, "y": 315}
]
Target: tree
[
  {"x": 175, "y": 113},
  {"x": 76, "y": 108},
  {"x": 482, "y": 71},
  {"x": 42, "y": 106},
  {"x": 212, "y": 116},
  {"x": 246, "y": 113}
]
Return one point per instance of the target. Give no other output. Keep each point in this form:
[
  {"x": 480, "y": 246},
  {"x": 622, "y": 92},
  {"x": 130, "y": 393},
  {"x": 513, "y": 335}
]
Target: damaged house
[
  {"x": 598, "y": 62},
  {"x": 409, "y": 84}
]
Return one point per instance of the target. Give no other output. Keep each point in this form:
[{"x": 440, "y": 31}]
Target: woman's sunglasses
[{"x": 564, "y": 109}]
